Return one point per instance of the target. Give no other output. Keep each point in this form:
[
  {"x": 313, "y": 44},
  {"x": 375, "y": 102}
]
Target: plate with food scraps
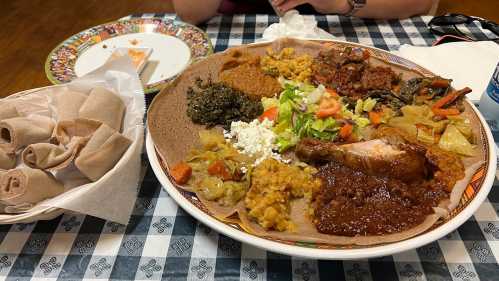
[
  {"x": 160, "y": 48},
  {"x": 320, "y": 149}
]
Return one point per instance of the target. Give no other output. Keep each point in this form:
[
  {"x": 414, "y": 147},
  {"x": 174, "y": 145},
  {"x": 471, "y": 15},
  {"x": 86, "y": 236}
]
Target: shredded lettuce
[
  {"x": 290, "y": 93},
  {"x": 364, "y": 105},
  {"x": 315, "y": 95},
  {"x": 361, "y": 121},
  {"x": 323, "y": 124},
  {"x": 298, "y": 104},
  {"x": 359, "y": 107},
  {"x": 286, "y": 140},
  {"x": 269, "y": 103},
  {"x": 368, "y": 104}
]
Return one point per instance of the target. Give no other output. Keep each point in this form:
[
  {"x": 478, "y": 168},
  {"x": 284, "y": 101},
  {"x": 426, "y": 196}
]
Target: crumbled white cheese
[
  {"x": 227, "y": 135},
  {"x": 254, "y": 139}
]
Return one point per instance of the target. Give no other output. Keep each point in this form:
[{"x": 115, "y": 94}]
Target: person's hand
[{"x": 321, "y": 6}]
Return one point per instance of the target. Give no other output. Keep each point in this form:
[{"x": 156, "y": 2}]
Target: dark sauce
[{"x": 353, "y": 203}]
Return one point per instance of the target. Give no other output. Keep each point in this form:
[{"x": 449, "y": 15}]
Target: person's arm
[
  {"x": 376, "y": 9},
  {"x": 196, "y": 11}
]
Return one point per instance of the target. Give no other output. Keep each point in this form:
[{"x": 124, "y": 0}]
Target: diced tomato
[
  {"x": 375, "y": 117},
  {"x": 346, "y": 131},
  {"x": 332, "y": 92},
  {"x": 181, "y": 172},
  {"x": 218, "y": 169},
  {"x": 270, "y": 114},
  {"x": 328, "y": 107}
]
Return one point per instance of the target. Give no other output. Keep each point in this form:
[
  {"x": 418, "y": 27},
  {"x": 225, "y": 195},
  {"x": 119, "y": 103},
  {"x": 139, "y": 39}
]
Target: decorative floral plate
[{"x": 174, "y": 46}]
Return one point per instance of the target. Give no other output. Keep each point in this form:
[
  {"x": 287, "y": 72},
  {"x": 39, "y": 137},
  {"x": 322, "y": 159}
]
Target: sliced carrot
[
  {"x": 464, "y": 91},
  {"x": 445, "y": 111},
  {"x": 270, "y": 114},
  {"x": 181, "y": 172},
  {"x": 445, "y": 100},
  {"x": 325, "y": 113},
  {"x": 346, "y": 131},
  {"x": 440, "y": 83},
  {"x": 218, "y": 169},
  {"x": 451, "y": 97},
  {"x": 375, "y": 117}
]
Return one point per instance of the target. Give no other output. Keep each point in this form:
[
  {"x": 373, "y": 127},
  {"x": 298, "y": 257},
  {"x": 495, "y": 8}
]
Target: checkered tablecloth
[{"x": 164, "y": 242}]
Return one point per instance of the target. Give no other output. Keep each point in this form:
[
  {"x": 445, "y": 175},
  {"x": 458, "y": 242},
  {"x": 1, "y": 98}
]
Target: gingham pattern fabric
[{"x": 162, "y": 242}]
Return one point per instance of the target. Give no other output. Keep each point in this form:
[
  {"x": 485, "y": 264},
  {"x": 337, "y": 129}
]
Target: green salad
[{"x": 307, "y": 111}]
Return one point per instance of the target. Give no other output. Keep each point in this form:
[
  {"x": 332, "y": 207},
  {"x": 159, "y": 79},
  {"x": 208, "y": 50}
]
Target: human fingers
[
  {"x": 278, "y": 2},
  {"x": 290, "y": 4}
]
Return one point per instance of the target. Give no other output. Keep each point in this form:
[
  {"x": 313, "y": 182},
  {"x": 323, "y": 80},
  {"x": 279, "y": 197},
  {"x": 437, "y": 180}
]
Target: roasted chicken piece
[{"x": 390, "y": 157}]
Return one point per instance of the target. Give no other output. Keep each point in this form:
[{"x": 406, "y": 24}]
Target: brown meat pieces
[
  {"x": 378, "y": 78},
  {"x": 350, "y": 74},
  {"x": 352, "y": 202}
]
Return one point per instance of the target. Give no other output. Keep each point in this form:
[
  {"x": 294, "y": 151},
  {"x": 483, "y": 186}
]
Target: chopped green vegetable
[
  {"x": 286, "y": 140},
  {"x": 269, "y": 103},
  {"x": 361, "y": 121},
  {"x": 214, "y": 104},
  {"x": 359, "y": 107},
  {"x": 323, "y": 124},
  {"x": 285, "y": 113},
  {"x": 368, "y": 104}
]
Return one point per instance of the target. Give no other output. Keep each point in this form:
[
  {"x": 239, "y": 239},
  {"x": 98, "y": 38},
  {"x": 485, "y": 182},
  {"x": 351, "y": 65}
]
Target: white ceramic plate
[{"x": 174, "y": 46}]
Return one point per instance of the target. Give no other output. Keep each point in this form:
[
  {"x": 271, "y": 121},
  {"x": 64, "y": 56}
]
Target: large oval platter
[{"x": 160, "y": 140}]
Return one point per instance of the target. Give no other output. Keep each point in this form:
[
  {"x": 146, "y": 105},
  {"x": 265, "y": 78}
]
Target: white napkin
[
  {"x": 466, "y": 63},
  {"x": 292, "y": 24}
]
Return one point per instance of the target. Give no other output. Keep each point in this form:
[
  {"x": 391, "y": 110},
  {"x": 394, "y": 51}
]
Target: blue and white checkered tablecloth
[{"x": 164, "y": 242}]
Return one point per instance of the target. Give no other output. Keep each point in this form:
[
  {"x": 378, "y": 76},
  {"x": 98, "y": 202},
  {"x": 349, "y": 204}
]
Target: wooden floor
[{"x": 31, "y": 28}]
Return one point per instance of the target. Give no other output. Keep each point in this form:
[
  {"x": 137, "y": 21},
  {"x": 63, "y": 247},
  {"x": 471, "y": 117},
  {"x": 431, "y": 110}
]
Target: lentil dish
[
  {"x": 273, "y": 186},
  {"x": 243, "y": 72},
  {"x": 288, "y": 65}
]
